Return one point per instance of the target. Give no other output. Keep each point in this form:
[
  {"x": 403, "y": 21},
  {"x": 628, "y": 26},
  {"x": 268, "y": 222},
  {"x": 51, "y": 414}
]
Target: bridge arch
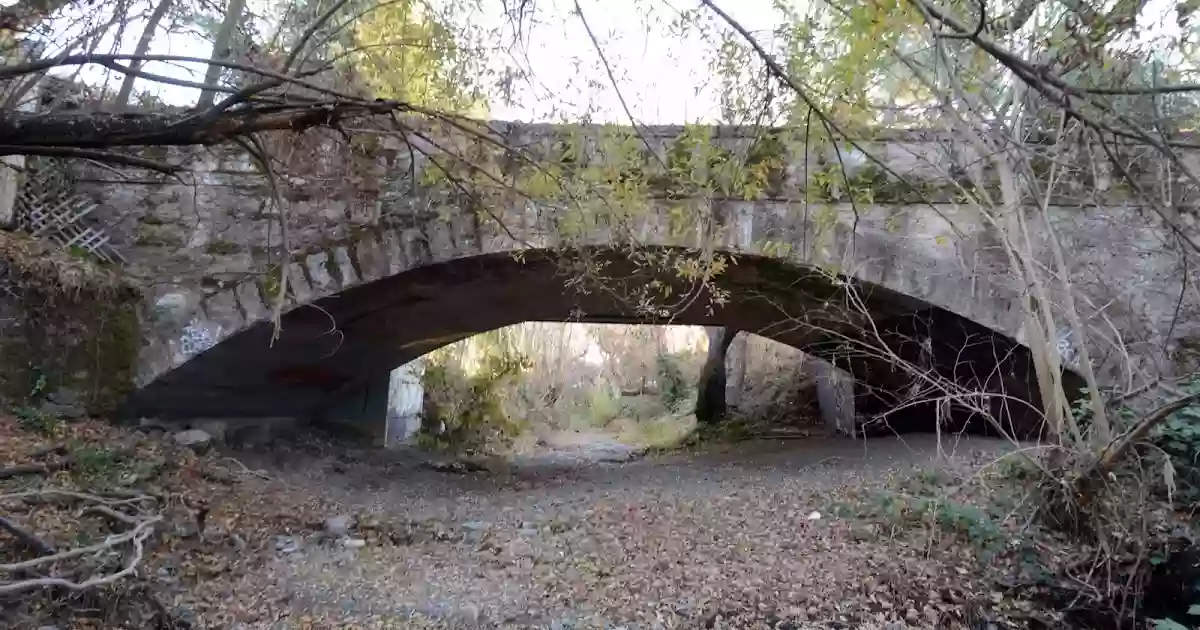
[{"x": 362, "y": 309}]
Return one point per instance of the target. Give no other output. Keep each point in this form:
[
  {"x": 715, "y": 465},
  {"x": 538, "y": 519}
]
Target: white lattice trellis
[{"x": 48, "y": 207}]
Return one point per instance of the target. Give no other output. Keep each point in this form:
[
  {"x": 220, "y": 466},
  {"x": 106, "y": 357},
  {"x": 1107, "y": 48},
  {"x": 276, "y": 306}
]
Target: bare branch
[{"x": 26, "y": 537}]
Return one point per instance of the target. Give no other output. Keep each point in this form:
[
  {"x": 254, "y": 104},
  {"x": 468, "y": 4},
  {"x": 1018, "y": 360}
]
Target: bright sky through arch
[{"x": 664, "y": 79}]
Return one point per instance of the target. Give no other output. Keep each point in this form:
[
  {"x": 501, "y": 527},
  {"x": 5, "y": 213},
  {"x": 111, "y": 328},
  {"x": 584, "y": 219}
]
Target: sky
[{"x": 661, "y": 76}]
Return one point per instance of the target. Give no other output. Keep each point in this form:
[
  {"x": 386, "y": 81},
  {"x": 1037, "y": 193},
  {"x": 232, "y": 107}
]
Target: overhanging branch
[{"x": 35, "y": 134}]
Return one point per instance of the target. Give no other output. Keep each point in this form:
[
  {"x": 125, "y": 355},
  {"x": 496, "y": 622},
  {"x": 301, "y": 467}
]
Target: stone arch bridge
[{"x": 384, "y": 270}]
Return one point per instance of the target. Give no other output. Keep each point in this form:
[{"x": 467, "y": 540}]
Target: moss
[
  {"x": 154, "y": 152},
  {"x": 769, "y": 155},
  {"x": 222, "y": 248},
  {"x": 72, "y": 324},
  {"x": 114, "y": 351},
  {"x": 156, "y": 236},
  {"x": 270, "y": 283}
]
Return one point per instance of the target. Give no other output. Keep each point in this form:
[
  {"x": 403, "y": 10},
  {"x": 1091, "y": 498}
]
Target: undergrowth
[{"x": 468, "y": 411}]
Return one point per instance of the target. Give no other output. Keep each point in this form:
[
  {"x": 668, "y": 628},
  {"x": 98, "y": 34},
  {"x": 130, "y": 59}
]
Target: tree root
[{"x": 140, "y": 527}]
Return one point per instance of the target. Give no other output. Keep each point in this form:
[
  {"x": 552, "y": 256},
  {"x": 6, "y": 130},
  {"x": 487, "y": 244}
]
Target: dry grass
[{"x": 35, "y": 264}]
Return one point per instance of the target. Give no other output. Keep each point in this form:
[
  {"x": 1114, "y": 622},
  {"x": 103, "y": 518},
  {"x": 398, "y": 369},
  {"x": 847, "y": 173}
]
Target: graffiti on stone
[
  {"x": 197, "y": 338},
  {"x": 1066, "y": 349}
]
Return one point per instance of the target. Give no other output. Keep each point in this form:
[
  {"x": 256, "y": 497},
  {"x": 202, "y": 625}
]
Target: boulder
[
  {"x": 338, "y": 526},
  {"x": 64, "y": 404},
  {"x": 196, "y": 439}
]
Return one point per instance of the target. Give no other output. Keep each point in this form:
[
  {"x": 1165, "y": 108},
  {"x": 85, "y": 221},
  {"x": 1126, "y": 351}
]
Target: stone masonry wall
[{"x": 362, "y": 211}]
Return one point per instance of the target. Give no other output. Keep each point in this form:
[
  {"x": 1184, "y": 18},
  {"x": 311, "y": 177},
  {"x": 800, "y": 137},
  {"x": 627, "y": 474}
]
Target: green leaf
[{"x": 1167, "y": 624}]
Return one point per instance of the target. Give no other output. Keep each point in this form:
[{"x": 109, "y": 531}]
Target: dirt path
[{"x": 565, "y": 541}]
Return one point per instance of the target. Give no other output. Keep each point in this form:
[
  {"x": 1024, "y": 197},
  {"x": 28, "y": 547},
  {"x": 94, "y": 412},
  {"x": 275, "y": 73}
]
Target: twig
[
  {"x": 112, "y": 541},
  {"x": 36, "y": 468},
  {"x": 261, "y": 474},
  {"x": 91, "y": 154},
  {"x": 111, "y": 513},
  {"x": 137, "y": 537},
  {"x": 56, "y": 449}
]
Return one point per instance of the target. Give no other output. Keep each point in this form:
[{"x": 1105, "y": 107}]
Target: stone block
[
  {"x": 318, "y": 269},
  {"x": 393, "y": 250},
  {"x": 345, "y": 267},
  {"x": 441, "y": 241},
  {"x": 835, "y": 398},
  {"x": 371, "y": 258},
  {"x": 251, "y": 302},
  {"x": 299, "y": 285}
]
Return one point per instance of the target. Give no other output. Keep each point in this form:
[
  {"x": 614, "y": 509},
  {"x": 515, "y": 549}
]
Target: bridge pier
[
  {"x": 835, "y": 398},
  {"x": 361, "y": 408}
]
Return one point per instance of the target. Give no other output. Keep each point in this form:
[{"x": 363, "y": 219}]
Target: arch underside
[{"x": 328, "y": 349}]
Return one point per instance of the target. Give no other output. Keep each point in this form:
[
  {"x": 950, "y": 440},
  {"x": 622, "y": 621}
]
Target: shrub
[
  {"x": 674, "y": 388},
  {"x": 604, "y": 406},
  {"x": 467, "y": 411},
  {"x": 37, "y": 421},
  {"x": 1179, "y": 438}
]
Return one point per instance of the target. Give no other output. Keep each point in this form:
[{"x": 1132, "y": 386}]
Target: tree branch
[
  {"x": 107, "y": 157},
  {"x": 27, "y": 537},
  {"x": 39, "y": 134}
]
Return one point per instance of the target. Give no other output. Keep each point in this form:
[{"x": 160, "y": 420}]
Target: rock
[
  {"x": 171, "y": 307},
  {"x": 863, "y": 533},
  {"x": 64, "y": 397},
  {"x": 286, "y": 544},
  {"x": 196, "y": 439},
  {"x": 63, "y": 411},
  {"x": 187, "y": 529},
  {"x": 528, "y": 532},
  {"x": 218, "y": 429},
  {"x": 184, "y": 617},
  {"x": 476, "y": 531},
  {"x": 338, "y": 526},
  {"x": 354, "y": 543}
]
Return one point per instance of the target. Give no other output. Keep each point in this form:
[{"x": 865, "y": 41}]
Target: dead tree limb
[
  {"x": 27, "y": 537},
  {"x": 36, "y": 468}
]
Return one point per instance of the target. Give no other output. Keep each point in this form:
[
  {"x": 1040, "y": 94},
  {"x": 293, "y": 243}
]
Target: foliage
[
  {"x": 603, "y": 405},
  {"x": 1179, "y": 438},
  {"x": 402, "y": 51},
  {"x": 920, "y": 501},
  {"x": 674, "y": 389},
  {"x": 34, "y": 419},
  {"x": 467, "y": 409}
]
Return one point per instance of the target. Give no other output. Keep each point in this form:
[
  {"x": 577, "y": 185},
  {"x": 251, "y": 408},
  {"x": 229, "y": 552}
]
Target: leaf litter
[{"x": 720, "y": 539}]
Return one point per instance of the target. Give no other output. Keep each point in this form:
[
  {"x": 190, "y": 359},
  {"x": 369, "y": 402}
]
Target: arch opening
[{"x": 911, "y": 362}]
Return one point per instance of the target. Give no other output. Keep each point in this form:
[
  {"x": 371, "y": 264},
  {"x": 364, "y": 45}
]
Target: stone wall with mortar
[{"x": 357, "y": 212}]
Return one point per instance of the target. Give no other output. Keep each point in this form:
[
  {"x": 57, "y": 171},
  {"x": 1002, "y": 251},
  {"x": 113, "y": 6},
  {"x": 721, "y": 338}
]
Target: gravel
[{"x": 725, "y": 539}]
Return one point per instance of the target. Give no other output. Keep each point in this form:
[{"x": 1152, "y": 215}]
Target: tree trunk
[
  {"x": 710, "y": 399},
  {"x": 222, "y": 50},
  {"x": 143, "y": 46}
]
